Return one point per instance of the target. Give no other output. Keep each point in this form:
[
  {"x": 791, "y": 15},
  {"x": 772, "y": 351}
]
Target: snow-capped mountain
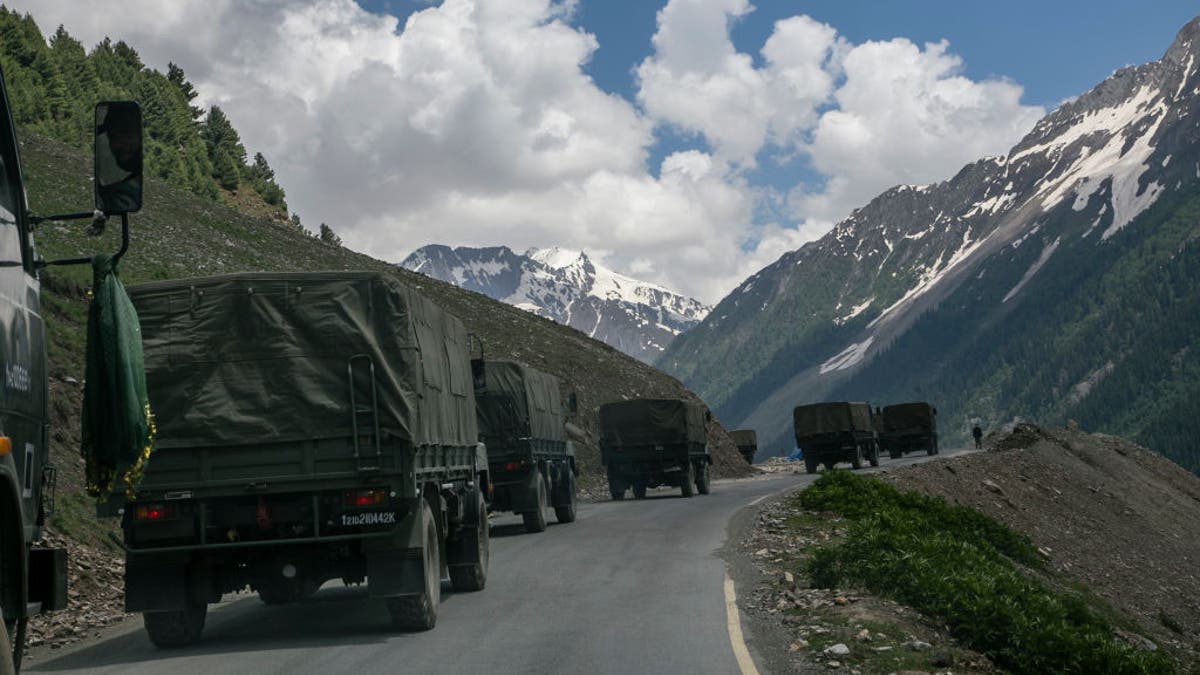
[
  {"x": 1055, "y": 281},
  {"x": 636, "y": 317}
]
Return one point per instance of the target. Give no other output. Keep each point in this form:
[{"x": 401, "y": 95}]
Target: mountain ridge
[
  {"x": 814, "y": 323},
  {"x": 567, "y": 286}
]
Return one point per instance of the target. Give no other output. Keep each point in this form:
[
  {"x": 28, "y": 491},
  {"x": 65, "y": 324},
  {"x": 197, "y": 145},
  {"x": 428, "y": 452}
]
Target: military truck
[
  {"x": 311, "y": 426},
  {"x": 531, "y": 462},
  {"x": 747, "y": 443},
  {"x": 645, "y": 443},
  {"x": 908, "y": 427},
  {"x": 32, "y": 578},
  {"x": 832, "y": 432}
]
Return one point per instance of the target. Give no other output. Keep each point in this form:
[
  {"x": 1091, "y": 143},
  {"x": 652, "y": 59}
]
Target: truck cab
[{"x": 32, "y": 579}]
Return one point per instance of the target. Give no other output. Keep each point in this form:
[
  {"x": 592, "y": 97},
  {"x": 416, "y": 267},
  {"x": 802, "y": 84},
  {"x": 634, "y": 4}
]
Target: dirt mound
[{"x": 1108, "y": 514}]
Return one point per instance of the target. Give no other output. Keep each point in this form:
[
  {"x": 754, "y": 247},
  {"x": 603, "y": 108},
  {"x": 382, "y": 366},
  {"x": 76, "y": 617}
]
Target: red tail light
[
  {"x": 155, "y": 512},
  {"x": 511, "y": 466},
  {"x": 362, "y": 498}
]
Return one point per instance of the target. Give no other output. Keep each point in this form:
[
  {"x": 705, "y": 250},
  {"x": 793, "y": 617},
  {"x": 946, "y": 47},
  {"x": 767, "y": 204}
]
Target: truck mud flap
[
  {"x": 48, "y": 578},
  {"x": 156, "y": 583},
  {"x": 393, "y": 573}
]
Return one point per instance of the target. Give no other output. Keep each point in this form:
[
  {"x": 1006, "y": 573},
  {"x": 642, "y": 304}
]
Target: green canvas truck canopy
[
  {"x": 744, "y": 438},
  {"x": 833, "y": 417},
  {"x": 904, "y": 416},
  {"x": 651, "y": 421},
  {"x": 519, "y": 402},
  {"x": 265, "y": 358}
]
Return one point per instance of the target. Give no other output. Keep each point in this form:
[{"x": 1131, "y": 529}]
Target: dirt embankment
[{"x": 1110, "y": 515}]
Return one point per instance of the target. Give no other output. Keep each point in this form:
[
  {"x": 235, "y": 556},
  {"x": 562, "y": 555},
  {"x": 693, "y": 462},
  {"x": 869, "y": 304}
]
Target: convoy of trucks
[
  {"x": 325, "y": 425},
  {"x": 531, "y": 462},
  {"x": 645, "y": 443}
]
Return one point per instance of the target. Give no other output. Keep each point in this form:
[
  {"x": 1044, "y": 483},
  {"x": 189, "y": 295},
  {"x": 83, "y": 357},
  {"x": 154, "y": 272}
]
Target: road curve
[{"x": 631, "y": 587}]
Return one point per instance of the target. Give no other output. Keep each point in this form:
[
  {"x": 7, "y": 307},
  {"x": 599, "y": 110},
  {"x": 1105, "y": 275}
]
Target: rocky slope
[
  {"x": 636, "y": 317},
  {"x": 1107, "y": 514},
  {"x": 1062, "y": 279}
]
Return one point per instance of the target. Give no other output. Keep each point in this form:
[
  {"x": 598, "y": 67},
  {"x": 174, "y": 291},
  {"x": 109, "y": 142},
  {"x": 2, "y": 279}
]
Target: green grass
[{"x": 960, "y": 568}]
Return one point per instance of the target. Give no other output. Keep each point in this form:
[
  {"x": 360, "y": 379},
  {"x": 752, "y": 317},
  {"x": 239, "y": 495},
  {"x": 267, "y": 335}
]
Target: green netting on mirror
[{"x": 118, "y": 427}]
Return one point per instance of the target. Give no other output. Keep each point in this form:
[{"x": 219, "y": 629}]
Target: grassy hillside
[{"x": 180, "y": 235}]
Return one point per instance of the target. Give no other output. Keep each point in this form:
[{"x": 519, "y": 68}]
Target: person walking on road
[{"x": 977, "y": 433}]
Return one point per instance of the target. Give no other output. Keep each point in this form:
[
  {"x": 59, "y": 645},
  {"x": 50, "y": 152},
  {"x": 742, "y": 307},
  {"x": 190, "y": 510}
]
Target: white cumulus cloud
[
  {"x": 866, "y": 117},
  {"x": 474, "y": 122}
]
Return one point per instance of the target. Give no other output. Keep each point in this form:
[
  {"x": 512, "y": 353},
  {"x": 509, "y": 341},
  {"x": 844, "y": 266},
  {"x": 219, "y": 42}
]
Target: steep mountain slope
[
  {"x": 1061, "y": 280},
  {"x": 181, "y": 235},
  {"x": 636, "y": 317}
]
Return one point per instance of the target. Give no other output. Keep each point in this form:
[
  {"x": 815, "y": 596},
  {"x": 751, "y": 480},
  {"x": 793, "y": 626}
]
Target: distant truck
[
  {"x": 828, "y": 433},
  {"x": 645, "y": 443},
  {"x": 311, "y": 426},
  {"x": 747, "y": 443},
  {"x": 33, "y": 579},
  {"x": 908, "y": 427},
  {"x": 531, "y": 462}
]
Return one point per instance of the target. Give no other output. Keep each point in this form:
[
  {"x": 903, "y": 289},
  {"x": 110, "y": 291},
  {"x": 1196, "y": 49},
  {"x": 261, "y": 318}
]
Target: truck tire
[
  {"x": 616, "y": 485},
  {"x": 688, "y": 487},
  {"x": 639, "y": 488},
  {"x": 810, "y": 465},
  {"x": 895, "y": 454},
  {"x": 565, "y": 512},
  {"x": 874, "y": 456},
  {"x": 419, "y": 612},
  {"x": 857, "y": 460},
  {"x": 170, "y": 630},
  {"x": 703, "y": 482},
  {"x": 8, "y": 653},
  {"x": 933, "y": 449},
  {"x": 469, "y": 567},
  {"x": 535, "y": 521},
  {"x": 16, "y": 641}
]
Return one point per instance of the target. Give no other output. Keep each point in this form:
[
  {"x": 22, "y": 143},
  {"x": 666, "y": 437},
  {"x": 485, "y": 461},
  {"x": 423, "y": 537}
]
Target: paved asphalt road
[{"x": 630, "y": 587}]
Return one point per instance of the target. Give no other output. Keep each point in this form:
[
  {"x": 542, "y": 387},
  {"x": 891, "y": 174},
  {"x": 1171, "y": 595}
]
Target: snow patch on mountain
[
  {"x": 567, "y": 286},
  {"x": 848, "y": 357},
  {"x": 1033, "y": 269}
]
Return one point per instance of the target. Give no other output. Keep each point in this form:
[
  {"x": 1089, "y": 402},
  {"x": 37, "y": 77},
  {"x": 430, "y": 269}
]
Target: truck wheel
[
  {"x": 419, "y": 612},
  {"x": 468, "y": 569},
  {"x": 688, "y": 487},
  {"x": 874, "y": 456},
  {"x": 169, "y": 630},
  {"x": 616, "y": 486},
  {"x": 703, "y": 483},
  {"x": 857, "y": 460},
  {"x": 810, "y": 465},
  {"x": 8, "y": 653},
  {"x": 639, "y": 488},
  {"x": 895, "y": 454},
  {"x": 535, "y": 521},
  {"x": 933, "y": 449},
  {"x": 566, "y": 512}
]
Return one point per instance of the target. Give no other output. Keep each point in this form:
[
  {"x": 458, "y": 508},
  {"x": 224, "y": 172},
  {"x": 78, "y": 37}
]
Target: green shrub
[{"x": 956, "y": 565}]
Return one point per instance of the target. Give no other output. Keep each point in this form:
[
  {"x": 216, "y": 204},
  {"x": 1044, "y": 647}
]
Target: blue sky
[
  {"x": 684, "y": 142},
  {"x": 1055, "y": 49}
]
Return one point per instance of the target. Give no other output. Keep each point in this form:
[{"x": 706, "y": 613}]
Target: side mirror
[
  {"x": 573, "y": 403},
  {"x": 118, "y": 157}
]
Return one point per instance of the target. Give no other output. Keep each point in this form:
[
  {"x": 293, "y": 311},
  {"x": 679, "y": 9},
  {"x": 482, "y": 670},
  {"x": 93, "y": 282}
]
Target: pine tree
[
  {"x": 328, "y": 236},
  {"x": 177, "y": 78}
]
